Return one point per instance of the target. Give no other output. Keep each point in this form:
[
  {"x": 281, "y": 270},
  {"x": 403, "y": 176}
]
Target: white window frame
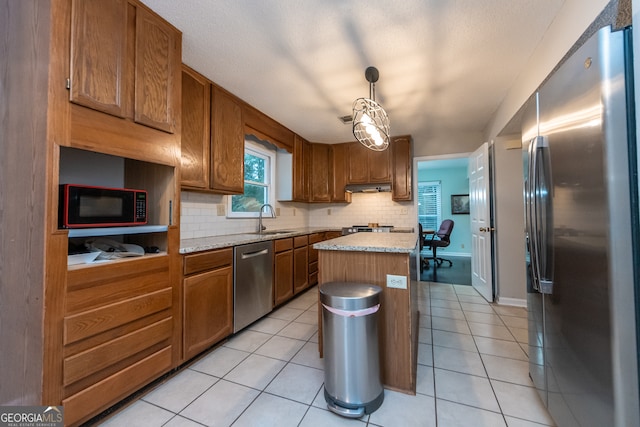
[
  {"x": 269, "y": 155},
  {"x": 438, "y": 201}
]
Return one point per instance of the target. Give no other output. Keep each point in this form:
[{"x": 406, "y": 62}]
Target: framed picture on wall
[{"x": 459, "y": 204}]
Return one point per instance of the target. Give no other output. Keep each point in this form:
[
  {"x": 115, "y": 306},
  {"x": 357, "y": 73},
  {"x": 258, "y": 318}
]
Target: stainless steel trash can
[{"x": 352, "y": 377}]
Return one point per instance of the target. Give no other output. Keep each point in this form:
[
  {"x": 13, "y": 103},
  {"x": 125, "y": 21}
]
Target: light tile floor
[{"x": 472, "y": 371}]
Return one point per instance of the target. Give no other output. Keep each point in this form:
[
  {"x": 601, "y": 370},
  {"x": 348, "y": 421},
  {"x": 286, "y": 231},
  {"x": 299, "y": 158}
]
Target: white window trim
[
  {"x": 438, "y": 200},
  {"x": 261, "y": 151}
]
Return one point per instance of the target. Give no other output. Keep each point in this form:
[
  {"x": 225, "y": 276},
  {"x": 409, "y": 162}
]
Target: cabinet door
[
  {"x": 300, "y": 269},
  {"x": 157, "y": 71},
  {"x": 196, "y": 110},
  {"x": 227, "y": 144},
  {"x": 402, "y": 169},
  {"x": 208, "y": 309},
  {"x": 340, "y": 158},
  {"x": 283, "y": 277},
  {"x": 300, "y": 169},
  {"x": 358, "y": 163},
  {"x": 99, "y": 55},
  {"x": 320, "y": 173},
  {"x": 379, "y": 166}
]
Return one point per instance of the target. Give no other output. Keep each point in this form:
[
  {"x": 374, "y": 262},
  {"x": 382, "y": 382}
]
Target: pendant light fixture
[{"x": 370, "y": 121}]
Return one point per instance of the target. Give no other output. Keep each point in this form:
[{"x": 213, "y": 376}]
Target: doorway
[{"x": 441, "y": 183}]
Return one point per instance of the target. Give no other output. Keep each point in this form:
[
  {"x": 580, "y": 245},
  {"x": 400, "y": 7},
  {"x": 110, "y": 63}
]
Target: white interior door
[{"x": 479, "y": 210}]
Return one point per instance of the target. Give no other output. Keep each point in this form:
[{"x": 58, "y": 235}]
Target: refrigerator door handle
[
  {"x": 543, "y": 221},
  {"x": 531, "y": 211}
]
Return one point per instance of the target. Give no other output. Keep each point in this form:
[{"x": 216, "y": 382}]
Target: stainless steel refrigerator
[{"x": 581, "y": 208}]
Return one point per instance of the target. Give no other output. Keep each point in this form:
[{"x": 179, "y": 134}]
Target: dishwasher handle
[{"x": 254, "y": 254}]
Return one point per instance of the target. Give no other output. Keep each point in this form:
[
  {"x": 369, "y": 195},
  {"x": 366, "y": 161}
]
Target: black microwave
[{"x": 83, "y": 206}]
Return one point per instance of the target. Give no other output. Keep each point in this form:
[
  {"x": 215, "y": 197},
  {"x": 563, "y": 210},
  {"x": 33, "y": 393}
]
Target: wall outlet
[
  {"x": 294, "y": 211},
  {"x": 462, "y": 245},
  {"x": 277, "y": 211},
  {"x": 399, "y": 282},
  {"x": 221, "y": 210},
  {"x": 403, "y": 211},
  {"x": 329, "y": 211}
]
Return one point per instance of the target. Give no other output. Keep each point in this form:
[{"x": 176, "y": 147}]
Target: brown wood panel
[
  {"x": 301, "y": 169},
  {"x": 99, "y": 285},
  {"x": 340, "y": 159},
  {"x": 283, "y": 244},
  {"x": 321, "y": 172},
  {"x": 227, "y": 143},
  {"x": 315, "y": 238},
  {"x": 100, "y": 357},
  {"x": 92, "y": 322},
  {"x": 99, "y": 54},
  {"x": 282, "y": 276},
  {"x": 196, "y": 128},
  {"x": 397, "y": 341},
  {"x": 98, "y": 397},
  {"x": 157, "y": 72},
  {"x": 94, "y": 131},
  {"x": 379, "y": 166},
  {"x": 265, "y": 128},
  {"x": 209, "y": 260},
  {"x": 358, "y": 163},
  {"x": 300, "y": 269},
  {"x": 401, "y": 169},
  {"x": 208, "y": 309},
  {"x": 299, "y": 241}
]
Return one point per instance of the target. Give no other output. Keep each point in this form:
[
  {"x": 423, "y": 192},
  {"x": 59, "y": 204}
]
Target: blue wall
[{"x": 453, "y": 181}]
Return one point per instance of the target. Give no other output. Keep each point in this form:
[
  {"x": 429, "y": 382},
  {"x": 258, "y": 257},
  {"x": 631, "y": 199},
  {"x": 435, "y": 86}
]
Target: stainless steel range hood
[{"x": 368, "y": 188}]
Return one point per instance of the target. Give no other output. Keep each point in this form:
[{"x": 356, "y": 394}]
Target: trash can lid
[{"x": 349, "y": 295}]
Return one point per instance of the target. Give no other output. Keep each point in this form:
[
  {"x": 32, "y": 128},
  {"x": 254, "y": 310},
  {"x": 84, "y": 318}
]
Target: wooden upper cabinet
[
  {"x": 321, "y": 171},
  {"x": 401, "y": 169},
  {"x": 196, "y": 120},
  {"x": 98, "y": 55},
  {"x": 368, "y": 166},
  {"x": 340, "y": 157},
  {"x": 125, "y": 61},
  {"x": 301, "y": 165},
  {"x": 227, "y": 143},
  {"x": 358, "y": 163},
  {"x": 157, "y": 72}
]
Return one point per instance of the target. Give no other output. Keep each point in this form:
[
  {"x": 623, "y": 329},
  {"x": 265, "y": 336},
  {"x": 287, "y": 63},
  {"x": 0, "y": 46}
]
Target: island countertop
[{"x": 371, "y": 242}]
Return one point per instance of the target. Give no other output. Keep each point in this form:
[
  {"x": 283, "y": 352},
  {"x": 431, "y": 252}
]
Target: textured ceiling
[{"x": 445, "y": 65}]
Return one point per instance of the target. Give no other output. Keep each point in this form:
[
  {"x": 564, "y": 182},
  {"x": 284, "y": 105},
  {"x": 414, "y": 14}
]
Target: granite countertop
[
  {"x": 199, "y": 244},
  {"x": 371, "y": 242}
]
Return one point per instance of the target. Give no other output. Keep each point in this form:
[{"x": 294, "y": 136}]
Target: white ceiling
[{"x": 445, "y": 65}]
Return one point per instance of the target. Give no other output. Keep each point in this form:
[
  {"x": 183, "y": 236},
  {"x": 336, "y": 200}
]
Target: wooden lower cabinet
[
  {"x": 117, "y": 332},
  {"x": 300, "y": 264},
  {"x": 282, "y": 271},
  {"x": 313, "y": 257},
  {"x": 208, "y": 300}
]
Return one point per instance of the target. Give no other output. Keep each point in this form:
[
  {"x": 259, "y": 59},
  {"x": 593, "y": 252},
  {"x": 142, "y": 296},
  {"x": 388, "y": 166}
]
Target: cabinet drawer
[
  {"x": 300, "y": 241},
  {"x": 281, "y": 245},
  {"x": 315, "y": 238},
  {"x": 207, "y": 260}
]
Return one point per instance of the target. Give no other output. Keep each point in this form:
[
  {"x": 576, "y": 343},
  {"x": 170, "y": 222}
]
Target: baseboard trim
[{"x": 515, "y": 302}]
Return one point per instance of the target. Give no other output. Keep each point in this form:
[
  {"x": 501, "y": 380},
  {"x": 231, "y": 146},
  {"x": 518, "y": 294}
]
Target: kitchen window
[
  {"x": 259, "y": 166},
  {"x": 429, "y": 204}
]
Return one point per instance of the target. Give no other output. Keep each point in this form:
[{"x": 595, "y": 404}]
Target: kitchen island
[{"x": 388, "y": 260}]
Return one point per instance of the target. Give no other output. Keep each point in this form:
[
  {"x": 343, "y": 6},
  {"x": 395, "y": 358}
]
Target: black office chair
[{"x": 440, "y": 239}]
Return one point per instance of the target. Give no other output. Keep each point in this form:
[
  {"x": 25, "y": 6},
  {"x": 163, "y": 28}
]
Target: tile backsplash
[{"x": 199, "y": 214}]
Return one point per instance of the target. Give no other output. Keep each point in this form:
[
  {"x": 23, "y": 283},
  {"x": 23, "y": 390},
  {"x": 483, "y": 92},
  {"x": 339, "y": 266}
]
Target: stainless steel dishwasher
[{"x": 252, "y": 283}]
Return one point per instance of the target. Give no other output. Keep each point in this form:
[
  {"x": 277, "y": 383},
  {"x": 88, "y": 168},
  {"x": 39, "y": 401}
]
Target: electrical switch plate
[
  {"x": 221, "y": 210},
  {"x": 277, "y": 211},
  {"x": 399, "y": 282}
]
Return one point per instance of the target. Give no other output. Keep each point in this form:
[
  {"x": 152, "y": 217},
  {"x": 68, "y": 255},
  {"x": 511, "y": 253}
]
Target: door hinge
[{"x": 68, "y": 84}]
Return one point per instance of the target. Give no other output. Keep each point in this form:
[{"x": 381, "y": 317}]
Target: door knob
[{"x": 485, "y": 229}]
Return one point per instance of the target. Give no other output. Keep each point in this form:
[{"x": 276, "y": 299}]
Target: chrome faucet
[{"x": 261, "y": 227}]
